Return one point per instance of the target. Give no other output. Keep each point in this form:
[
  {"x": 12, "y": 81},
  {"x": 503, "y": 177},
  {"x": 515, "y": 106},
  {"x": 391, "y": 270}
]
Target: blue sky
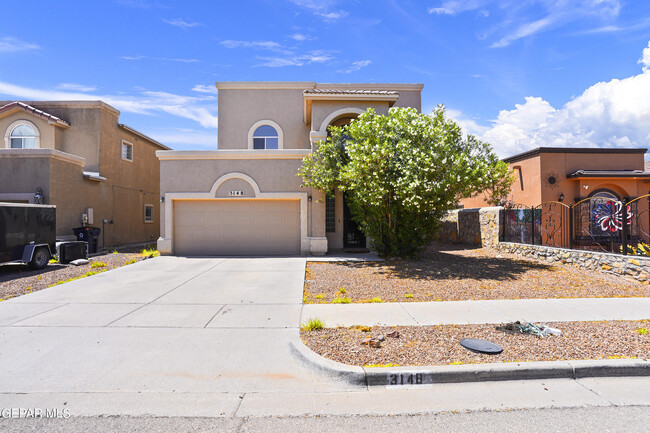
[{"x": 518, "y": 73}]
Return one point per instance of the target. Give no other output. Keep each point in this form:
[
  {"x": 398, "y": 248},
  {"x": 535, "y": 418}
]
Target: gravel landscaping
[
  {"x": 452, "y": 273},
  {"x": 439, "y": 345},
  {"x": 16, "y": 280}
]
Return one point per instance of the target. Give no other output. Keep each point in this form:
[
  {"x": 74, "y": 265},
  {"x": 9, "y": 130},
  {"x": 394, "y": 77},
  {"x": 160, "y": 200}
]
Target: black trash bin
[{"x": 90, "y": 235}]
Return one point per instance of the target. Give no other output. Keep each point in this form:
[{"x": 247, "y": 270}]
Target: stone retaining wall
[
  {"x": 478, "y": 226},
  {"x": 632, "y": 266}
]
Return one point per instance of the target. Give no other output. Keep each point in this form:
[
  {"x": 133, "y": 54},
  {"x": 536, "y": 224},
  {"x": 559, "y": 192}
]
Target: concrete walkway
[{"x": 474, "y": 312}]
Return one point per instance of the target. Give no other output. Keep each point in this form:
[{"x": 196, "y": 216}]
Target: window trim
[
  {"x": 128, "y": 143},
  {"x": 153, "y": 213},
  {"x": 271, "y": 123},
  {"x": 17, "y": 123}
]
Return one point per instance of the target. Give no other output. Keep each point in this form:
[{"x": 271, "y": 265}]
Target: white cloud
[
  {"x": 202, "y": 88},
  {"x": 147, "y": 102},
  {"x": 355, "y": 66},
  {"x": 322, "y": 8},
  {"x": 76, "y": 87},
  {"x": 294, "y": 60},
  {"x": 454, "y": 7},
  {"x": 269, "y": 45},
  {"x": 162, "y": 59},
  {"x": 9, "y": 45},
  {"x": 607, "y": 114},
  {"x": 332, "y": 16},
  {"x": 470, "y": 126},
  {"x": 299, "y": 37},
  {"x": 523, "y": 31},
  {"x": 183, "y": 24},
  {"x": 185, "y": 139},
  {"x": 523, "y": 19},
  {"x": 645, "y": 58}
]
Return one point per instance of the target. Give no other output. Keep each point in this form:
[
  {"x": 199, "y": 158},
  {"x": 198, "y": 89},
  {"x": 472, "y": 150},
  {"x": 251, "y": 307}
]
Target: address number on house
[{"x": 236, "y": 193}]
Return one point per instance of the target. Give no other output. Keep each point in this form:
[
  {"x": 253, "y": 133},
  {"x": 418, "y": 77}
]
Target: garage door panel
[{"x": 237, "y": 227}]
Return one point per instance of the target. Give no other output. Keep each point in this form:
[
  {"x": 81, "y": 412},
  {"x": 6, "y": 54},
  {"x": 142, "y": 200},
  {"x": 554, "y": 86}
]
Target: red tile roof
[{"x": 29, "y": 109}]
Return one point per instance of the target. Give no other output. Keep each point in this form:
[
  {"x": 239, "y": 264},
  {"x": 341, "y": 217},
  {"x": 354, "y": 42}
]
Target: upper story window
[
  {"x": 127, "y": 150},
  {"x": 22, "y": 135},
  {"x": 265, "y": 134},
  {"x": 265, "y": 137}
]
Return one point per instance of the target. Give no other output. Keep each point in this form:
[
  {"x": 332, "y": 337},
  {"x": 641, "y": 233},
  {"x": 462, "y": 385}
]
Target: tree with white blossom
[{"x": 401, "y": 172}]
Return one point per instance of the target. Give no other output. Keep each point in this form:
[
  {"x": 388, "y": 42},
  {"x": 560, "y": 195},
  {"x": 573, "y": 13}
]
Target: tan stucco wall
[
  {"x": 408, "y": 98},
  {"x": 23, "y": 176},
  {"x": 562, "y": 164},
  {"x": 239, "y": 110},
  {"x": 536, "y": 170},
  {"x": 271, "y": 176},
  {"x": 46, "y": 131},
  {"x": 93, "y": 134}
]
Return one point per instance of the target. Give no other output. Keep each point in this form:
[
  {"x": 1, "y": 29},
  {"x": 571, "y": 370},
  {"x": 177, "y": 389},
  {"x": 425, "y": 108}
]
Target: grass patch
[
  {"x": 149, "y": 253},
  {"x": 97, "y": 265},
  {"x": 408, "y": 295},
  {"x": 130, "y": 262},
  {"x": 313, "y": 325},
  {"x": 341, "y": 301},
  {"x": 54, "y": 259},
  {"x": 321, "y": 296},
  {"x": 642, "y": 331},
  {"x": 342, "y": 290},
  {"x": 87, "y": 274},
  {"x": 375, "y": 300}
]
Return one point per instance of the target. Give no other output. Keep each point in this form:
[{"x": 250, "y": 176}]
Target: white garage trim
[{"x": 171, "y": 197}]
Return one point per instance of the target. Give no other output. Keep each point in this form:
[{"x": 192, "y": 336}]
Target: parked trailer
[{"x": 27, "y": 233}]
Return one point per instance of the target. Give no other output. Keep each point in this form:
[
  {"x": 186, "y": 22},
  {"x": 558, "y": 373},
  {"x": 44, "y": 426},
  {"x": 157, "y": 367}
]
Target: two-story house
[
  {"x": 77, "y": 156},
  {"x": 246, "y": 198}
]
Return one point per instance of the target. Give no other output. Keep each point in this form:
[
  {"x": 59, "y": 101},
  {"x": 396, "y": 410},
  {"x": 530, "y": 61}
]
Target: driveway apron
[{"x": 170, "y": 324}]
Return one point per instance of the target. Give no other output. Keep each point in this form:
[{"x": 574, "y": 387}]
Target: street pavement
[{"x": 213, "y": 337}]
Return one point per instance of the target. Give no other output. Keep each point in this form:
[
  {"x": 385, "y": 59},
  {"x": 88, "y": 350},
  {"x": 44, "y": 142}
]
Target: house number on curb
[
  {"x": 236, "y": 193},
  {"x": 405, "y": 379}
]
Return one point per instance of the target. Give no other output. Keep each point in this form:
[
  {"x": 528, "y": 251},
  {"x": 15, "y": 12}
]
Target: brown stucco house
[
  {"x": 77, "y": 156},
  {"x": 246, "y": 198},
  {"x": 569, "y": 175}
]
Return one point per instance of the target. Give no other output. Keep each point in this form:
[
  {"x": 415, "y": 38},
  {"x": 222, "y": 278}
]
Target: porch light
[
  {"x": 38, "y": 197},
  {"x": 561, "y": 198}
]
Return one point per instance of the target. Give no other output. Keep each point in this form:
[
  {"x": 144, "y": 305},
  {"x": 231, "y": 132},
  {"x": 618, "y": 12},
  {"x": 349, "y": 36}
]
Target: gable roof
[{"x": 17, "y": 105}]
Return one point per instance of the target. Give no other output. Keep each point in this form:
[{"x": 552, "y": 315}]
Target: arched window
[
  {"x": 23, "y": 136},
  {"x": 265, "y": 134},
  {"x": 265, "y": 137}
]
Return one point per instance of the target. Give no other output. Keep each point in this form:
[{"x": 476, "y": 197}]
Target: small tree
[{"x": 401, "y": 172}]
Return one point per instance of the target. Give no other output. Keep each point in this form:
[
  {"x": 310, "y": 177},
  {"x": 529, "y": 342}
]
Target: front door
[{"x": 352, "y": 236}]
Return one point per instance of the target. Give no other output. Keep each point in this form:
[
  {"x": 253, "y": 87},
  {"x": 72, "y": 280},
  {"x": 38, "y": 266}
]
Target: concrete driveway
[{"x": 179, "y": 329}]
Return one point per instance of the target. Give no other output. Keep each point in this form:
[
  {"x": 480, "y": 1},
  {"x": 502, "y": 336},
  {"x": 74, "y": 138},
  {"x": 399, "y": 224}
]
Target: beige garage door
[{"x": 237, "y": 227}]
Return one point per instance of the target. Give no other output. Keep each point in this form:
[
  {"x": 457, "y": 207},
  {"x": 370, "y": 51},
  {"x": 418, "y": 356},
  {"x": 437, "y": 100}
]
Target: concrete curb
[{"x": 400, "y": 376}]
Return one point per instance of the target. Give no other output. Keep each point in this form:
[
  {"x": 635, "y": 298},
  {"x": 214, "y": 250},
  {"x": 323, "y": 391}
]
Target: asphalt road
[{"x": 587, "y": 419}]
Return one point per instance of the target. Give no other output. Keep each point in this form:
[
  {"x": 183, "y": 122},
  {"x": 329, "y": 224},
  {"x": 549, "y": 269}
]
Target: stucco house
[
  {"x": 246, "y": 198},
  {"x": 77, "y": 156},
  {"x": 569, "y": 174}
]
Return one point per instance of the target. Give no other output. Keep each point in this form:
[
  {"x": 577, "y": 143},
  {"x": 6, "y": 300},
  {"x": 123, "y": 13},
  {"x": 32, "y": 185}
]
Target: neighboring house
[
  {"x": 570, "y": 175},
  {"x": 246, "y": 198},
  {"x": 75, "y": 155}
]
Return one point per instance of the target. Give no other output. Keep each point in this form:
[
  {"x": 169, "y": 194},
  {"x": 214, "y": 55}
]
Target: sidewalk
[{"x": 477, "y": 312}]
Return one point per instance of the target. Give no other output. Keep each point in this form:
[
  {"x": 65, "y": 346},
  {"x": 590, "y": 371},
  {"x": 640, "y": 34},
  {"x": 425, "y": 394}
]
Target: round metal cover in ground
[{"x": 481, "y": 346}]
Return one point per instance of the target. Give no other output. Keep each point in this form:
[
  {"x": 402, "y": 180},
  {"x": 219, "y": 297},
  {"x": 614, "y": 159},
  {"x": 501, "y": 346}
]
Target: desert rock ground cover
[
  {"x": 439, "y": 345},
  {"x": 16, "y": 280},
  {"x": 451, "y": 273}
]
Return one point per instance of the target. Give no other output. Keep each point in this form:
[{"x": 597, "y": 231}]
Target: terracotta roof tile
[
  {"x": 350, "y": 92},
  {"x": 28, "y": 108}
]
